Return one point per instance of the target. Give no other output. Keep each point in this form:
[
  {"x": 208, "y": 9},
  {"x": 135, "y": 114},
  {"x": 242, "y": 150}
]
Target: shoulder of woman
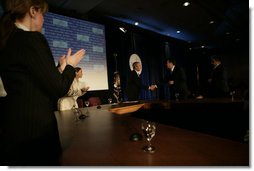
[
  {"x": 37, "y": 40},
  {"x": 36, "y": 35},
  {"x": 29, "y": 37}
]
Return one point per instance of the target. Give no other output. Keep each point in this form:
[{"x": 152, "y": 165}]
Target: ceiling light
[
  {"x": 211, "y": 22},
  {"x": 178, "y": 31},
  {"x": 136, "y": 23},
  {"x": 186, "y": 4},
  {"x": 123, "y": 29}
]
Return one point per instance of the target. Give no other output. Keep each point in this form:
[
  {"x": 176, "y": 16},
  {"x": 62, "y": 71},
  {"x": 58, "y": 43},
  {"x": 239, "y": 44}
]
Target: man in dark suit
[
  {"x": 134, "y": 84},
  {"x": 218, "y": 83},
  {"x": 176, "y": 80}
]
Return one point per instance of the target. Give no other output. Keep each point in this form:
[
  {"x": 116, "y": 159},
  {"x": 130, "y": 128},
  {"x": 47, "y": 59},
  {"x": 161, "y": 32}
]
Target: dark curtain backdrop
[{"x": 152, "y": 49}]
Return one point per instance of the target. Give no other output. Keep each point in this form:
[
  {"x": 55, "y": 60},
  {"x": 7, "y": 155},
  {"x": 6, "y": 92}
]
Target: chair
[
  {"x": 80, "y": 103},
  {"x": 94, "y": 101}
]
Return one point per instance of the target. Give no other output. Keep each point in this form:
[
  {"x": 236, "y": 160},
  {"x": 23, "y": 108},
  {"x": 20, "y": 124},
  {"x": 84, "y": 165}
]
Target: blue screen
[{"x": 64, "y": 32}]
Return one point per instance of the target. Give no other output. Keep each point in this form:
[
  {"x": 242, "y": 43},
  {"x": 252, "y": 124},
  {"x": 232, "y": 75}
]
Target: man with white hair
[{"x": 135, "y": 85}]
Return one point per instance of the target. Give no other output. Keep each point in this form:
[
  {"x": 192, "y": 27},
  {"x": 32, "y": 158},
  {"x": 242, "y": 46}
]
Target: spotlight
[
  {"x": 186, "y": 4},
  {"x": 123, "y": 29},
  {"x": 211, "y": 22}
]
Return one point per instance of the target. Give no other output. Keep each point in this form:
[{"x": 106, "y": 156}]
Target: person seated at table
[
  {"x": 76, "y": 90},
  {"x": 117, "y": 91}
]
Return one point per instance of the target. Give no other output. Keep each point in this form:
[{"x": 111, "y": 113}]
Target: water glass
[{"x": 148, "y": 129}]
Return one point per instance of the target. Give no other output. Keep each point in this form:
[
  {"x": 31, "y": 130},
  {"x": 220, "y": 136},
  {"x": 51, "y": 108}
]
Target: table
[
  {"x": 222, "y": 117},
  {"x": 102, "y": 139}
]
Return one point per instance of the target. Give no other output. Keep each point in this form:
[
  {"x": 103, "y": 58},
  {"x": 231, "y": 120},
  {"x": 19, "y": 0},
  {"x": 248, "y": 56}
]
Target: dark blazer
[
  {"x": 219, "y": 84},
  {"x": 134, "y": 86},
  {"x": 33, "y": 85},
  {"x": 180, "y": 86}
]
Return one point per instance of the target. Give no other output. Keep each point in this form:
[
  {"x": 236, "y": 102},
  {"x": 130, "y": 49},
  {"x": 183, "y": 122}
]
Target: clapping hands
[
  {"x": 171, "y": 82},
  {"x": 72, "y": 60},
  {"x": 85, "y": 89},
  {"x": 152, "y": 87}
]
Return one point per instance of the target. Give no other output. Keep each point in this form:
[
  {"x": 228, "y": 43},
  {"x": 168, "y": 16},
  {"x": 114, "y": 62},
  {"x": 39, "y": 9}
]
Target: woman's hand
[
  {"x": 74, "y": 59},
  {"x": 85, "y": 89},
  {"x": 62, "y": 63}
]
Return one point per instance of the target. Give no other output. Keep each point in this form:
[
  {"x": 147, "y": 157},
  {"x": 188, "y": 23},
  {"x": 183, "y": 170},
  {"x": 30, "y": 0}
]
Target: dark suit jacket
[
  {"x": 180, "y": 85},
  {"x": 134, "y": 86},
  {"x": 33, "y": 85},
  {"x": 219, "y": 84}
]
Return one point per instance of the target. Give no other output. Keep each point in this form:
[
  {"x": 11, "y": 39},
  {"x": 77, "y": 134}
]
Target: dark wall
[
  {"x": 154, "y": 48},
  {"x": 235, "y": 60},
  {"x": 1, "y": 10},
  {"x": 151, "y": 48}
]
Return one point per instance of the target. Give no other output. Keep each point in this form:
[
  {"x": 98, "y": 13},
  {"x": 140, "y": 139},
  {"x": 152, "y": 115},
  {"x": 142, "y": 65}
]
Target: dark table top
[
  {"x": 169, "y": 104},
  {"x": 102, "y": 139}
]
